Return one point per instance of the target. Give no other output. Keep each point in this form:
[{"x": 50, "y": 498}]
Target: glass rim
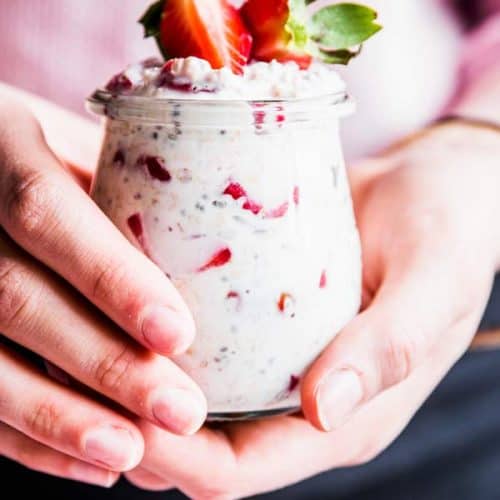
[{"x": 100, "y": 98}]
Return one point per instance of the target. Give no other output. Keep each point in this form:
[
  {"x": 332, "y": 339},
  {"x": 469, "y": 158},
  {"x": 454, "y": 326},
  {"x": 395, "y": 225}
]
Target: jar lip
[
  {"x": 215, "y": 112},
  {"x": 101, "y": 97}
]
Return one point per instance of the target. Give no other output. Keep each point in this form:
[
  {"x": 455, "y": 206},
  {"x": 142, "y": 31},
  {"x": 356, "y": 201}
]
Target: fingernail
[
  {"x": 166, "y": 330},
  {"x": 86, "y": 473},
  {"x": 338, "y": 395},
  {"x": 179, "y": 410},
  {"x": 113, "y": 447}
]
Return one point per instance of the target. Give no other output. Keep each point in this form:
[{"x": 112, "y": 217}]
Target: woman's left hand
[{"x": 428, "y": 217}]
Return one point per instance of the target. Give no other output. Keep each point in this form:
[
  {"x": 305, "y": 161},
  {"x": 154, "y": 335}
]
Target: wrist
[{"x": 465, "y": 157}]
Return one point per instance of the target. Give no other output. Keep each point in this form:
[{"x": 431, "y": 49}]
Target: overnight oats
[{"x": 233, "y": 183}]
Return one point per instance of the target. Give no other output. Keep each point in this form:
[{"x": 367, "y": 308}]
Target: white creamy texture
[
  {"x": 260, "y": 80},
  {"x": 293, "y": 278}
]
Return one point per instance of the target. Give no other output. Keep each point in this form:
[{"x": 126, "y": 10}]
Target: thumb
[{"x": 382, "y": 346}]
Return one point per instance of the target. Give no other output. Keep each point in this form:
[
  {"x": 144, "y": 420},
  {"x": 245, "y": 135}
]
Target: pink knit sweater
[{"x": 63, "y": 49}]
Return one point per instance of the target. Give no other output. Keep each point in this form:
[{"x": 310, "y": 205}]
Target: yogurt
[{"x": 235, "y": 187}]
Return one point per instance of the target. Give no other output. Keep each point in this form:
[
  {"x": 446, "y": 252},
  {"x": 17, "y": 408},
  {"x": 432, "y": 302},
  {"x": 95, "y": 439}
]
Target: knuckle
[
  {"x": 28, "y": 204},
  {"x": 401, "y": 352},
  {"x": 112, "y": 278},
  {"x": 44, "y": 420},
  {"x": 115, "y": 369},
  {"x": 14, "y": 296}
]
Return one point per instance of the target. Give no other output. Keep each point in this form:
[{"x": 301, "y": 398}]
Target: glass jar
[{"x": 246, "y": 207}]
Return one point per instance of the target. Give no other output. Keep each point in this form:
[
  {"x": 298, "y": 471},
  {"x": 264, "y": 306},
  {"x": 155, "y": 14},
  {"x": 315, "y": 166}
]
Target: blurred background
[{"x": 63, "y": 49}]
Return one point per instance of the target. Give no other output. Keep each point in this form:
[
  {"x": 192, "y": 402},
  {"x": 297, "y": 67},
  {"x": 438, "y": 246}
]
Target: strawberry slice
[
  {"x": 221, "y": 258},
  {"x": 268, "y": 23},
  {"x": 209, "y": 29}
]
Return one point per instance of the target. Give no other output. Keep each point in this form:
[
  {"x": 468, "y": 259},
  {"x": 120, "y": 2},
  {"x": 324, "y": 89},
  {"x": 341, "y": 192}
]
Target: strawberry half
[
  {"x": 268, "y": 21},
  {"x": 209, "y": 29}
]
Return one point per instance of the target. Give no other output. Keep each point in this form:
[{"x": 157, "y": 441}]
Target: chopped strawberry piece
[
  {"x": 119, "y": 83},
  {"x": 167, "y": 78},
  {"x": 278, "y": 212},
  {"x": 221, "y": 258},
  {"x": 156, "y": 167},
  {"x": 284, "y": 301},
  {"x": 259, "y": 117},
  {"x": 296, "y": 195},
  {"x": 135, "y": 224},
  {"x": 323, "y": 280},
  {"x": 119, "y": 158},
  {"x": 280, "y": 118},
  {"x": 235, "y": 190},
  {"x": 209, "y": 29},
  {"x": 267, "y": 20},
  {"x": 236, "y": 298},
  {"x": 294, "y": 382},
  {"x": 253, "y": 206}
]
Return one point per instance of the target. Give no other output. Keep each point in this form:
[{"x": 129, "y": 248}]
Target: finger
[
  {"x": 56, "y": 416},
  {"x": 90, "y": 349},
  {"x": 38, "y": 457},
  {"x": 418, "y": 301},
  {"x": 229, "y": 463},
  {"x": 49, "y": 215},
  {"x": 146, "y": 480}
]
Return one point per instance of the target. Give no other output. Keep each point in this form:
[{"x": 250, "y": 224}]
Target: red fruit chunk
[
  {"x": 119, "y": 83},
  {"x": 234, "y": 296},
  {"x": 280, "y": 118},
  {"x": 266, "y": 20},
  {"x": 283, "y": 300},
  {"x": 296, "y": 195},
  {"x": 209, "y": 29},
  {"x": 235, "y": 190},
  {"x": 253, "y": 206},
  {"x": 323, "y": 280},
  {"x": 259, "y": 117},
  {"x": 168, "y": 79},
  {"x": 156, "y": 167},
  {"x": 221, "y": 258},
  {"x": 135, "y": 224},
  {"x": 278, "y": 212},
  {"x": 294, "y": 382},
  {"x": 119, "y": 158}
]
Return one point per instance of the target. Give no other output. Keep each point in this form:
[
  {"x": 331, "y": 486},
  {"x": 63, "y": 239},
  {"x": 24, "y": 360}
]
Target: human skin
[
  {"x": 428, "y": 212},
  {"x": 425, "y": 214},
  {"x": 65, "y": 273}
]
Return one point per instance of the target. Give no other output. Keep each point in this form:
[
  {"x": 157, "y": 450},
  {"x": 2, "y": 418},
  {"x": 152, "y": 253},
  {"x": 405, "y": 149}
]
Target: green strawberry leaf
[
  {"x": 296, "y": 26},
  {"x": 151, "y": 19},
  {"x": 343, "y": 25},
  {"x": 341, "y": 56}
]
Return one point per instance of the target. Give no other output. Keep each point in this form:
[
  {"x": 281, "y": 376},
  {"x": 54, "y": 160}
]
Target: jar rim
[{"x": 230, "y": 112}]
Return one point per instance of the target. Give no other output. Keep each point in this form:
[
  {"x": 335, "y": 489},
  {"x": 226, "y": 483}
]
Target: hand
[
  {"x": 425, "y": 214},
  {"x": 63, "y": 268}
]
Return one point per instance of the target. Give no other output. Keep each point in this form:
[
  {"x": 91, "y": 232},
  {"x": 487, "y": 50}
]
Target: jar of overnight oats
[{"x": 235, "y": 186}]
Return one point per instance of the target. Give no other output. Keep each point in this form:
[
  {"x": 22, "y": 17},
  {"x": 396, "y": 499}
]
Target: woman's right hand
[{"x": 70, "y": 287}]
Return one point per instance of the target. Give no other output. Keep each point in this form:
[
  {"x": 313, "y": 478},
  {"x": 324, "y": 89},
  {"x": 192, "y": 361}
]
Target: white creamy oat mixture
[{"x": 249, "y": 214}]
